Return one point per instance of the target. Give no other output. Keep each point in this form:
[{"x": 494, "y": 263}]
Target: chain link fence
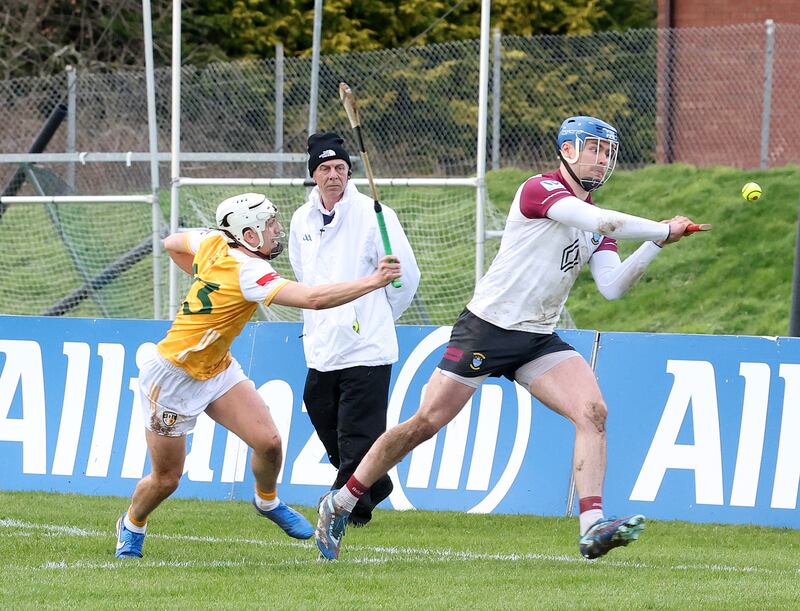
[
  {"x": 693, "y": 95},
  {"x": 711, "y": 96},
  {"x": 665, "y": 90}
]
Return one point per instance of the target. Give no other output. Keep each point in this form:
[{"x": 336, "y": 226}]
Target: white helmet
[{"x": 248, "y": 211}]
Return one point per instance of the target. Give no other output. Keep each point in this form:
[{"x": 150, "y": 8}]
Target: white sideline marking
[
  {"x": 22, "y": 529},
  {"x": 150, "y": 564},
  {"x": 67, "y": 530},
  {"x": 80, "y": 532}
]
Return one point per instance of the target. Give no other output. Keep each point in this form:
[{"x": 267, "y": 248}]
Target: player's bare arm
[
  {"x": 300, "y": 295},
  {"x": 178, "y": 251}
]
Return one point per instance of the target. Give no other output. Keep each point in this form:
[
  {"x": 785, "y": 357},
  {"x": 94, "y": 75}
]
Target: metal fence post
[
  {"x": 768, "y": 60},
  {"x": 496, "y": 98},
  {"x": 279, "y": 106},
  {"x": 72, "y": 85},
  {"x": 314, "y": 94},
  {"x": 794, "y": 315},
  {"x": 668, "y": 94}
]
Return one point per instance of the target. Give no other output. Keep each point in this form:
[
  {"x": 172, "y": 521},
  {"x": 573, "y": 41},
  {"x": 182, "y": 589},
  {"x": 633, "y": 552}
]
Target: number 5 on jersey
[{"x": 201, "y": 294}]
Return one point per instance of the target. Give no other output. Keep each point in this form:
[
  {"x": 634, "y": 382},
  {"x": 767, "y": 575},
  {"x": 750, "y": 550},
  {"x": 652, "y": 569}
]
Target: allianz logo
[
  {"x": 73, "y": 414},
  {"x": 497, "y": 426},
  {"x": 693, "y": 398},
  {"x": 68, "y": 416},
  {"x": 78, "y": 421}
]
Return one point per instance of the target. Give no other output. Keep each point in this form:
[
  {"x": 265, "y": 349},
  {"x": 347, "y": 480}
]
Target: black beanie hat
[{"x": 323, "y": 147}]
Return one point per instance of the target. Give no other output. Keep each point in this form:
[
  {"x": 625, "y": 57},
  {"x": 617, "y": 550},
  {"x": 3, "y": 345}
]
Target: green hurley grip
[{"x": 385, "y": 237}]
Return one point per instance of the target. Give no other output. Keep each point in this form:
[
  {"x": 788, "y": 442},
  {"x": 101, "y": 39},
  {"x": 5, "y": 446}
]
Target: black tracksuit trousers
[{"x": 348, "y": 410}]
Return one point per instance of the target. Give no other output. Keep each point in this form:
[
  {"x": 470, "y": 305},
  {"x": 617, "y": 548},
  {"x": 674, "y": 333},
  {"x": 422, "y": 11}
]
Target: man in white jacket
[{"x": 349, "y": 350}]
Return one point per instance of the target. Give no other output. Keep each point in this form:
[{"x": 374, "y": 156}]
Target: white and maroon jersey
[{"x": 539, "y": 260}]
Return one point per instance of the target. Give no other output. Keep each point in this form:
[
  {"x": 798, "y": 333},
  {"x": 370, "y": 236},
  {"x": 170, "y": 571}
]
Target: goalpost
[
  {"x": 401, "y": 193},
  {"x": 100, "y": 270}
]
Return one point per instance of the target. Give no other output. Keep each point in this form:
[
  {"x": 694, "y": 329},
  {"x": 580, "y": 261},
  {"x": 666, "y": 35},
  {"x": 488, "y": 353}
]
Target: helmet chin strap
[
  {"x": 273, "y": 253},
  {"x": 276, "y": 250},
  {"x": 587, "y": 184}
]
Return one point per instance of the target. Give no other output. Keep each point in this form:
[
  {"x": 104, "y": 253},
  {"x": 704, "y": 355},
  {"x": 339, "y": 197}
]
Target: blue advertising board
[
  {"x": 70, "y": 421},
  {"x": 702, "y": 428}
]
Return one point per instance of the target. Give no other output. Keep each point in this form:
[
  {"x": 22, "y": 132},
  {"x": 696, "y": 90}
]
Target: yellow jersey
[{"x": 228, "y": 285}]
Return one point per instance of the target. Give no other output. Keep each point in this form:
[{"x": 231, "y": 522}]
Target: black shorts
[{"x": 478, "y": 348}]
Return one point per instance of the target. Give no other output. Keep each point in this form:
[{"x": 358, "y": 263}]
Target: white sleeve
[
  {"x": 194, "y": 238},
  {"x": 400, "y": 298},
  {"x": 259, "y": 282},
  {"x": 613, "y": 277},
  {"x": 577, "y": 213},
  {"x": 295, "y": 259}
]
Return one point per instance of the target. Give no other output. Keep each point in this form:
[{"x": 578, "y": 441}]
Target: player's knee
[
  {"x": 411, "y": 433},
  {"x": 596, "y": 413},
  {"x": 268, "y": 446},
  {"x": 166, "y": 482}
]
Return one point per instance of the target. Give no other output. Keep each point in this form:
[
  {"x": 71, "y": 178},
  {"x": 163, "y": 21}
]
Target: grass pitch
[{"x": 56, "y": 551}]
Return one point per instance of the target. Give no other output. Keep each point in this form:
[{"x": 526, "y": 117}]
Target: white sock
[
  {"x": 266, "y": 505},
  {"x": 344, "y": 499},
  {"x": 588, "y": 518},
  {"x": 132, "y": 527}
]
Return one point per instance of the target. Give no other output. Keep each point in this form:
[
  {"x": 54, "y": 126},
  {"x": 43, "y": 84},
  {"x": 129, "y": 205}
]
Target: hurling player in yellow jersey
[{"x": 193, "y": 371}]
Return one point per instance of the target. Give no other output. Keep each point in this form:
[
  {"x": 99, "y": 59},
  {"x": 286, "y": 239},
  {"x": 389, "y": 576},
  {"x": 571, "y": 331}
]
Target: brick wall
[
  {"x": 705, "y": 13},
  {"x": 711, "y": 82}
]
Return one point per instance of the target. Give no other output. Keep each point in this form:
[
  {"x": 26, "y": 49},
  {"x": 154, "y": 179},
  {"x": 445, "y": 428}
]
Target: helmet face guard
[
  {"x": 249, "y": 211},
  {"x": 598, "y": 142},
  {"x": 278, "y": 248}
]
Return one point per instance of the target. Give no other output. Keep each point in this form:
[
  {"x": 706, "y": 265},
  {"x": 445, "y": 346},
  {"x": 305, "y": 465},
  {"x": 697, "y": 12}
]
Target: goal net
[
  {"x": 438, "y": 217},
  {"x": 92, "y": 256},
  {"x": 67, "y": 255}
]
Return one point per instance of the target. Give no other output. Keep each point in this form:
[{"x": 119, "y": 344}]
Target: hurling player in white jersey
[
  {"x": 193, "y": 371},
  {"x": 553, "y": 230}
]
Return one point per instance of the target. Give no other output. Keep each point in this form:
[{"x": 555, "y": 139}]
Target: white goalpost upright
[
  {"x": 175, "y": 146},
  {"x": 480, "y": 164},
  {"x": 152, "y": 131}
]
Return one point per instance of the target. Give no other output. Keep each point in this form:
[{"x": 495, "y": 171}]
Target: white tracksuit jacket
[{"x": 360, "y": 332}]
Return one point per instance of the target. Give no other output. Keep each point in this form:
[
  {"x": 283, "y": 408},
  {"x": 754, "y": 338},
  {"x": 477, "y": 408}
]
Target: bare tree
[{"x": 40, "y": 37}]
